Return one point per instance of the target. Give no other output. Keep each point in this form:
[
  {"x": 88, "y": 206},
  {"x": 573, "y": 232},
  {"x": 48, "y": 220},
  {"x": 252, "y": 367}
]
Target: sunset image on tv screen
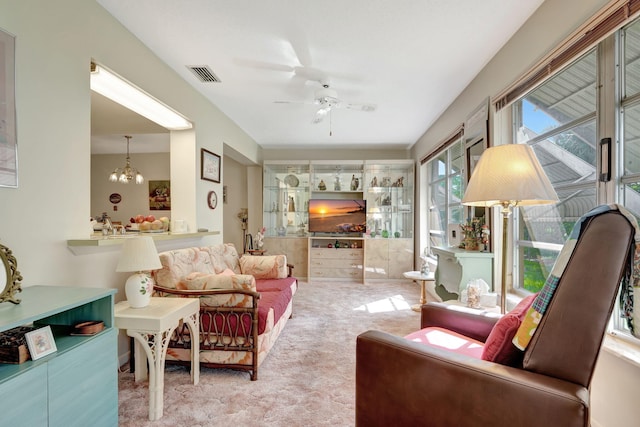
[{"x": 337, "y": 216}]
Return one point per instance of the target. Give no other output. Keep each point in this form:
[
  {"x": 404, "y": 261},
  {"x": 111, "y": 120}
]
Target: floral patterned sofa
[{"x": 245, "y": 303}]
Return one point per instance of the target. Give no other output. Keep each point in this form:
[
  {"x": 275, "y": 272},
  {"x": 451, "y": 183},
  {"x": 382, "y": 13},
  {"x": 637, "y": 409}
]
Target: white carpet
[{"x": 308, "y": 378}]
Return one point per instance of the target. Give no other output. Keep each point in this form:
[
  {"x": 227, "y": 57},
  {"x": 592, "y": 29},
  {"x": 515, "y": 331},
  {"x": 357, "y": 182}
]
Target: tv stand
[{"x": 326, "y": 261}]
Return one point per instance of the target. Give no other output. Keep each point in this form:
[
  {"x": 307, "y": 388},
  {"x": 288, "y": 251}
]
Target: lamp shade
[
  {"x": 509, "y": 175},
  {"x": 139, "y": 254}
]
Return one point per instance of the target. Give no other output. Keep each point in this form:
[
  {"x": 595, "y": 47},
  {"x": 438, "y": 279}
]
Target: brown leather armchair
[{"x": 404, "y": 383}]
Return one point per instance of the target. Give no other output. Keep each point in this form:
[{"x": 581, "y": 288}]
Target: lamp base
[{"x": 138, "y": 290}]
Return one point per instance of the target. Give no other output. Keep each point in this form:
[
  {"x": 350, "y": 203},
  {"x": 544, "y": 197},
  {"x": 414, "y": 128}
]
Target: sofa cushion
[
  {"x": 223, "y": 256},
  {"x": 498, "y": 348},
  {"x": 263, "y": 285},
  {"x": 264, "y": 267},
  {"x": 199, "y": 281},
  {"x": 228, "y": 272},
  {"x": 179, "y": 263},
  {"x": 277, "y": 300}
]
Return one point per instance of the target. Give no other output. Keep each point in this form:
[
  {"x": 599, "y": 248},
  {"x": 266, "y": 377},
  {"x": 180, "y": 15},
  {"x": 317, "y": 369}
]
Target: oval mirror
[{"x": 10, "y": 277}]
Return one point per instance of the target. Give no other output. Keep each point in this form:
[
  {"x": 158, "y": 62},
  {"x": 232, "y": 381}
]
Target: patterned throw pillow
[
  {"x": 200, "y": 281},
  {"x": 264, "y": 267},
  {"x": 498, "y": 348}
]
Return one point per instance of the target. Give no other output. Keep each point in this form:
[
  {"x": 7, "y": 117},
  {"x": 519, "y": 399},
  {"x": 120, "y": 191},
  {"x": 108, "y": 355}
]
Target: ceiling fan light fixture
[
  {"x": 321, "y": 114},
  {"x": 326, "y": 94}
]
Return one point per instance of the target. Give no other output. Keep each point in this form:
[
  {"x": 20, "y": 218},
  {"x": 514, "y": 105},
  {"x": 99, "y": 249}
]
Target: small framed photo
[
  {"x": 210, "y": 166},
  {"x": 40, "y": 342}
]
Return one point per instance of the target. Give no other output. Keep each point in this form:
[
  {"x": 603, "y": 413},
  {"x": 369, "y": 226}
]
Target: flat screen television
[{"x": 334, "y": 216}]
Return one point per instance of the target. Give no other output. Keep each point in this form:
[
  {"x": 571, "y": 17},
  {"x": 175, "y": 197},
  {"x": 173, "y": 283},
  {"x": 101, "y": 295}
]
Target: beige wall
[
  {"x": 616, "y": 379},
  {"x": 55, "y": 42},
  {"x": 235, "y": 179},
  {"x": 344, "y": 154}
]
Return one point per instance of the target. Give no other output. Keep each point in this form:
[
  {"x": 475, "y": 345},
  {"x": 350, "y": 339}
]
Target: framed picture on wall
[
  {"x": 473, "y": 153},
  {"x": 8, "y": 142},
  {"x": 210, "y": 166},
  {"x": 160, "y": 195}
]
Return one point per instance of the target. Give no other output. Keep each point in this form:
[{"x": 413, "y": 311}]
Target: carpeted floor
[{"x": 308, "y": 378}]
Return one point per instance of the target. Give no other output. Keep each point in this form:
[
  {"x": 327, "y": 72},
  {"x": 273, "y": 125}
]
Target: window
[
  {"x": 629, "y": 124},
  {"x": 563, "y": 119},
  {"x": 445, "y": 191},
  {"x": 558, "y": 120}
]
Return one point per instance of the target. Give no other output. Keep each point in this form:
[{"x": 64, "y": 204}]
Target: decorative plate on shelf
[{"x": 291, "y": 180}]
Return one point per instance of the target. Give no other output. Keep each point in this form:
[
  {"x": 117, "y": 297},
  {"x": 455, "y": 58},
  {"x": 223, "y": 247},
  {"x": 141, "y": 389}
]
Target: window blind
[
  {"x": 456, "y": 135},
  {"x": 609, "y": 19}
]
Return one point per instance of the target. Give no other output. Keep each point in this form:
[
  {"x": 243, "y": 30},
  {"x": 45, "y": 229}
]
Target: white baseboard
[{"x": 123, "y": 360}]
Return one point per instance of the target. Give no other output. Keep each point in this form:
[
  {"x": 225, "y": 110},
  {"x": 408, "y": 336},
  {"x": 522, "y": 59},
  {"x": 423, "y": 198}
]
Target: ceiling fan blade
[
  {"x": 321, "y": 114},
  {"x": 297, "y": 39},
  {"x": 263, "y": 65},
  {"x": 359, "y": 107},
  {"x": 291, "y": 102}
]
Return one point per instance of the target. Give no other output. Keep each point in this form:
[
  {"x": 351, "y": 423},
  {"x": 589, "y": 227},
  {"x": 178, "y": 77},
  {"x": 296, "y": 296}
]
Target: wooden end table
[
  {"x": 422, "y": 279},
  {"x": 151, "y": 327}
]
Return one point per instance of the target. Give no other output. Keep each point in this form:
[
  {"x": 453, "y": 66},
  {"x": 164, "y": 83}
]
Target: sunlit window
[
  {"x": 446, "y": 188},
  {"x": 558, "y": 120}
]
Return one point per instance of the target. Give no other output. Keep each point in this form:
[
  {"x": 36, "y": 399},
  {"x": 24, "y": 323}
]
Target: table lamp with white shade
[
  {"x": 508, "y": 175},
  {"x": 139, "y": 255}
]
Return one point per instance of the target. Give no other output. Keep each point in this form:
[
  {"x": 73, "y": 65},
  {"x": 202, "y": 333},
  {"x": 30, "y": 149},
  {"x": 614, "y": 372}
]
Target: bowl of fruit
[{"x": 149, "y": 224}]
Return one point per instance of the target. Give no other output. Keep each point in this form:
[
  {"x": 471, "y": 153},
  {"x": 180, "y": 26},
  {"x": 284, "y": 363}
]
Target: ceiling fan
[{"x": 327, "y": 99}]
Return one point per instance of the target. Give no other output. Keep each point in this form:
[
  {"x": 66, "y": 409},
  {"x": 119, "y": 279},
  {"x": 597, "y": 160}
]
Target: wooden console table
[{"x": 151, "y": 327}]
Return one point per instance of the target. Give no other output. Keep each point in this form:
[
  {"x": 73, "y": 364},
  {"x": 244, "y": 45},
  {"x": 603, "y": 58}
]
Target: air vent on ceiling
[{"x": 204, "y": 73}]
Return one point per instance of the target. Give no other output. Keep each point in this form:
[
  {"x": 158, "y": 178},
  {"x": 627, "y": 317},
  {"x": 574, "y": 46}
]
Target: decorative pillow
[
  {"x": 200, "y": 281},
  {"x": 179, "y": 263},
  {"x": 264, "y": 267},
  {"x": 498, "y": 348},
  {"x": 227, "y": 272}
]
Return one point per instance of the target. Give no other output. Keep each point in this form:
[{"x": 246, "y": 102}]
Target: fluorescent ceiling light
[{"x": 118, "y": 90}]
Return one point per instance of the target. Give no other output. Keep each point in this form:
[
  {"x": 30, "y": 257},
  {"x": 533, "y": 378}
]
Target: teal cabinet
[
  {"x": 456, "y": 267},
  {"x": 78, "y": 384},
  {"x": 24, "y": 398}
]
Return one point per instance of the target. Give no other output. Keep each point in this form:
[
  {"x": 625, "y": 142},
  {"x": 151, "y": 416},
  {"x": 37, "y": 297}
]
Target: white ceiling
[{"x": 410, "y": 58}]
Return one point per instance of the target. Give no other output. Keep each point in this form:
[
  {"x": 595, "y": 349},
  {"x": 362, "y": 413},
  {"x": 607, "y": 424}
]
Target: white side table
[
  {"x": 151, "y": 327},
  {"x": 422, "y": 279}
]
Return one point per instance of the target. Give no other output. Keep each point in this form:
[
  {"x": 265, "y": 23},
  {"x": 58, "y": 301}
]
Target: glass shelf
[
  {"x": 387, "y": 187},
  {"x": 285, "y": 198},
  {"x": 389, "y": 196}
]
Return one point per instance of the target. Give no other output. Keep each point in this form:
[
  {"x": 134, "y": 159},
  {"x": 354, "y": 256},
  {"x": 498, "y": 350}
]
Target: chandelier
[{"x": 126, "y": 174}]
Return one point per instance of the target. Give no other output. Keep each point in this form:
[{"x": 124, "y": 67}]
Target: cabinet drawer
[
  {"x": 334, "y": 263},
  {"x": 341, "y": 273},
  {"x": 352, "y": 254}
]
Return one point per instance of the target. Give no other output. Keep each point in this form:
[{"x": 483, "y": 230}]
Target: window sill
[{"x": 623, "y": 348}]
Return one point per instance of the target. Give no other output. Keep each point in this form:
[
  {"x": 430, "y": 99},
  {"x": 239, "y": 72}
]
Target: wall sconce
[{"x": 124, "y": 93}]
